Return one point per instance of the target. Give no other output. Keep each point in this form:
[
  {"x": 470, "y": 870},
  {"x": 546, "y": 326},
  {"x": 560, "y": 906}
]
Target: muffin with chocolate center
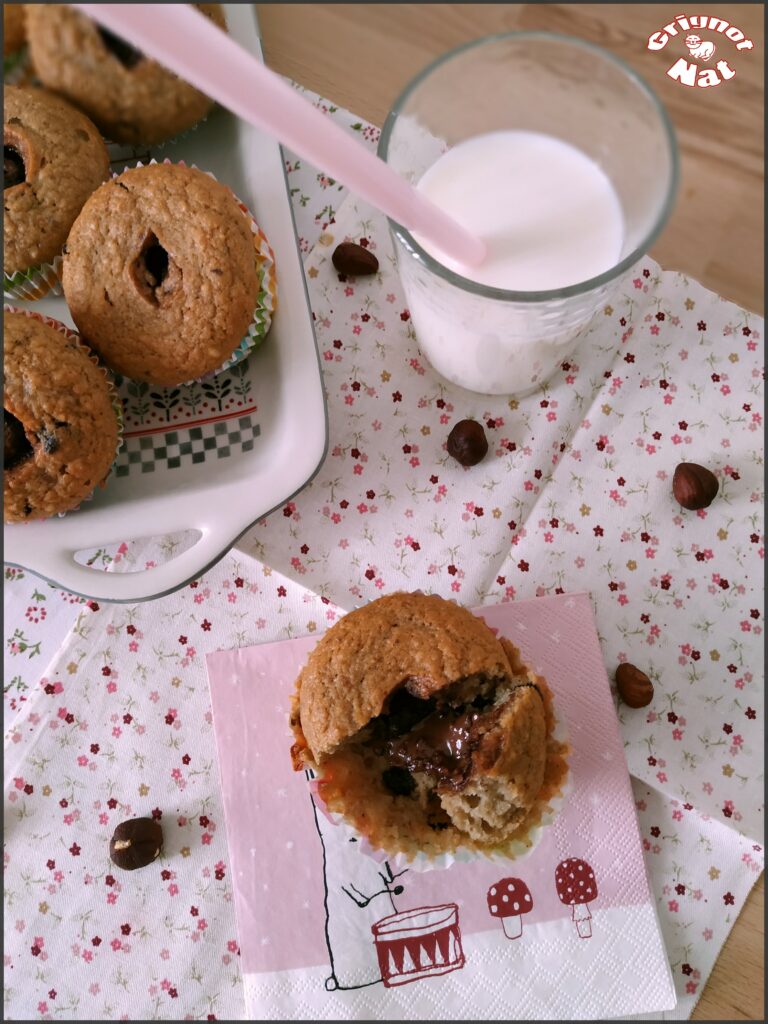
[
  {"x": 161, "y": 275},
  {"x": 60, "y": 425},
  {"x": 132, "y": 98},
  {"x": 53, "y": 159},
  {"x": 426, "y": 732}
]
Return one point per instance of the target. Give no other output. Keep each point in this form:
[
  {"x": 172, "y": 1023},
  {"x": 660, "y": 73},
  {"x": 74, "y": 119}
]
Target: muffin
[
  {"x": 60, "y": 425},
  {"x": 427, "y": 733},
  {"x": 161, "y": 275},
  {"x": 132, "y": 98},
  {"x": 53, "y": 159},
  {"x": 14, "y": 34}
]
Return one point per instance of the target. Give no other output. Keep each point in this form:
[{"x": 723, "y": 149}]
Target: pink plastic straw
[{"x": 185, "y": 41}]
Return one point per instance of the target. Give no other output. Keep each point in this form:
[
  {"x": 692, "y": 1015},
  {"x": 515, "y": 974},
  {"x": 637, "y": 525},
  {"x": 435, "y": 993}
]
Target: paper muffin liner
[
  {"x": 114, "y": 397},
  {"x": 514, "y": 849},
  {"x": 266, "y": 301},
  {"x": 34, "y": 282}
]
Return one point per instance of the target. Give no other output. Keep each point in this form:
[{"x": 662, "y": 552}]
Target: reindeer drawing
[{"x": 369, "y": 942}]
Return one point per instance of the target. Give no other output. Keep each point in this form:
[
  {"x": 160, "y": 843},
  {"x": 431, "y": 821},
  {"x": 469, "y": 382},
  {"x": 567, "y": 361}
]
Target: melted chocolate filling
[
  {"x": 14, "y": 171},
  {"x": 156, "y": 262},
  {"x": 416, "y": 735},
  {"x": 128, "y": 55},
  {"x": 16, "y": 447},
  {"x": 150, "y": 269},
  {"x": 440, "y": 746},
  {"x": 403, "y": 711},
  {"x": 398, "y": 781}
]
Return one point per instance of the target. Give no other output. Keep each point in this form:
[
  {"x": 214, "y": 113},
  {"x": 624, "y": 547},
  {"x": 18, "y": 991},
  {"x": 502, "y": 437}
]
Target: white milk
[
  {"x": 550, "y": 218},
  {"x": 549, "y": 214}
]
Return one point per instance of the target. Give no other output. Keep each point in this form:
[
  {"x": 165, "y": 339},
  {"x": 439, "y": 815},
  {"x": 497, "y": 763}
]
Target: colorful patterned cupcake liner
[
  {"x": 114, "y": 397},
  {"x": 34, "y": 282},
  {"x": 266, "y": 302}
]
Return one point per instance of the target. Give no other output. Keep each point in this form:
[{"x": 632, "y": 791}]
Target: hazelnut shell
[
  {"x": 352, "y": 259},
  {"x": 467, "y": 442},
  {"x": 694, "y": 486},
  {"x": 136, "y": 843},
  {"x": 634, "y": 686}
]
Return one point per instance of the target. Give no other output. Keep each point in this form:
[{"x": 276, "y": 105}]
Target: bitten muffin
[
  {"x": 132, "y": 98},
  {"x": 426, "y": 732},
  {"x": 60, "y": 428},
  {"x": 161, "y": 274},
  {"x": 14, "y": 33},
  {"x": 53, "y": 159}
]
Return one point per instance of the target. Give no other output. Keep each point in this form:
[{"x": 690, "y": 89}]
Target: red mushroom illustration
[
  {"x": 576, "y": 887},
  {"x": 509, "y": 899}
]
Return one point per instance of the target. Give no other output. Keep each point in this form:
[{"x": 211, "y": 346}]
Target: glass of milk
[{"x": 564, "y": 162}]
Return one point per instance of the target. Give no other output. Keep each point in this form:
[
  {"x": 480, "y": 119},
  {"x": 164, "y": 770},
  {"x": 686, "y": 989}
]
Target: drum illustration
[{"x": 419, "y": 943}]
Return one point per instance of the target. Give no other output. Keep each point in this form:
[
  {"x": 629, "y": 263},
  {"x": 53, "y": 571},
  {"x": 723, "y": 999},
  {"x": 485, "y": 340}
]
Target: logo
[
  {"x": 698, "y": 49},
  {"x": 687, "y": 71}
]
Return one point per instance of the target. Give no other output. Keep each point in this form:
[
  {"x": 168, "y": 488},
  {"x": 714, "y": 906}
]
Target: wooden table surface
[{"x": 361, "y": 55}]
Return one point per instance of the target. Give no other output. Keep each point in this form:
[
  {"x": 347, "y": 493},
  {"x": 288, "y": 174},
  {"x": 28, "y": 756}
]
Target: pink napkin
[{"x": 328, "y": 929}]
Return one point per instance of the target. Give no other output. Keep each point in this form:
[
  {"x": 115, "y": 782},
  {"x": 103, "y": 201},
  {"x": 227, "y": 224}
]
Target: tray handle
[{"x": 142, "y": 585}]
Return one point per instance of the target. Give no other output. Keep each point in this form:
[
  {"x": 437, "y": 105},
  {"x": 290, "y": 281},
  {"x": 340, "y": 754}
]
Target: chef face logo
[{"x": 687, "y": 70}]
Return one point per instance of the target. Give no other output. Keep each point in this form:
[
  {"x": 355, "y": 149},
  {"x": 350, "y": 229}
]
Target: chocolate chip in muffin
[
  {"x": 150, "y": 268},
  {"x": 14, "y": 172},
  {"x": 398, "y": 781},
  {"x": 16, "y": 447},
  {"x": 404, "y": 710},
  {"x": 128, "y": 55},
  {"x": 136, "y": 843},
  {"x": 49, "y": 442},
  {"x": 156, "y": 262}
]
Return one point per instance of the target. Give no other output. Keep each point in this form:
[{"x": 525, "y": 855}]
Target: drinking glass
[{"x": 497, "y": 341}]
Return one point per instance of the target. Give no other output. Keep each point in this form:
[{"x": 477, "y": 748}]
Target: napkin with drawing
[{"x": 331, "y": 928}]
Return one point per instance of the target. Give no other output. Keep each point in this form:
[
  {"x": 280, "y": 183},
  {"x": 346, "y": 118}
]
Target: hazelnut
[
  {"x": 693, "y": 486},
  {"x": 634, "y": 686},
  {"x": 136, "y": 843},
  {"x": 350, "y": 258},
  {"x": 467, "y": 442}
]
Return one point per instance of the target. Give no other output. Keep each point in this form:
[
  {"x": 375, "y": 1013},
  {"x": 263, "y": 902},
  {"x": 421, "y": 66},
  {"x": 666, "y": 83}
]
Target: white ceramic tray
[{"x": 212, "y": 458}]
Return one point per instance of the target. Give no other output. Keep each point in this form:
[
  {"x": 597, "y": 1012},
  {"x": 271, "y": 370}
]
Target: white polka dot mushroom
[
  {"x": 509, "y": 899},
  {"x": 576, "y": 887}
]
